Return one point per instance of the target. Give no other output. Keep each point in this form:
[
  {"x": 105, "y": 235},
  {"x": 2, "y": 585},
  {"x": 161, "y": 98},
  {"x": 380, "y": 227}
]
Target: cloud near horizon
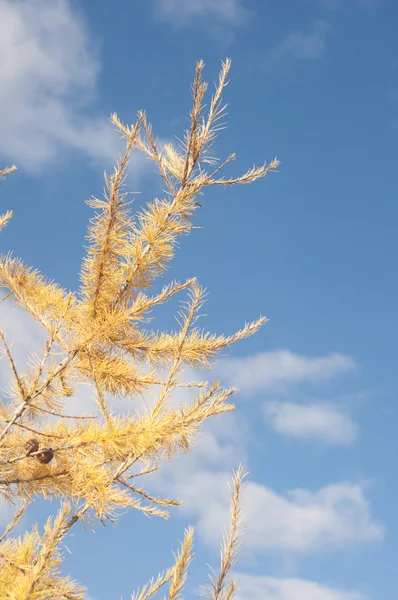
[
  {"x": 301, "y": 521},
  {"x": 257, "y": 587}
]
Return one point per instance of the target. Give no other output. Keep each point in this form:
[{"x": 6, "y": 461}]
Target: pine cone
[
  {"x": 45, "y": 456},
  {"x": 31, "y": 445}
]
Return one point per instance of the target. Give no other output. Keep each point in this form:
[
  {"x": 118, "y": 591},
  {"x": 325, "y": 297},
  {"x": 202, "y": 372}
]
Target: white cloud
[
  {"x": 301, "y": 521},
  {"x": 48, "y": 76},
  {"x": 335, "y": 516},
  {"x": 319, "y": 421},
  {"x": 272, "y": 370},
  {"x": 299, "y": 46},
  {"x": 183, "y": 12},
  {"x": 272, "y": 588}
]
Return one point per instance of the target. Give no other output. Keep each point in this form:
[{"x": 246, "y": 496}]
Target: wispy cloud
[
  {"x": 181, "y": 12},
  {"x": 48, "y": 78},
  {"x": 318, "y": 421},
  {"x": 272, "y": 588},
  {"x": 299, "y": 46},
  {"x": 279, "y": 369},
  {"x": 301, "y": 521}
]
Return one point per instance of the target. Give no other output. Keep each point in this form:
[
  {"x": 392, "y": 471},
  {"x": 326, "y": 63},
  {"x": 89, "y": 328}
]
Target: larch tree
[{"x": 98, "y": 335}]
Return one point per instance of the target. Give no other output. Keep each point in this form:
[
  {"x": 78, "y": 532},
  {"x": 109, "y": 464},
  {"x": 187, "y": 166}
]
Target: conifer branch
[
  {"x": 99, "y": 335},
  {"x": 188, "y": 320},
  {"x": 231, "y": 543},
  {"x": 17, "y": 517},
  {"x": 182, "y": 561}
]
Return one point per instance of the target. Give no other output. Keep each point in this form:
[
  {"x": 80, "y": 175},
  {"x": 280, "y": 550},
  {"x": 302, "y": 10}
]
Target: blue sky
[{"x": 315, "y": 83}]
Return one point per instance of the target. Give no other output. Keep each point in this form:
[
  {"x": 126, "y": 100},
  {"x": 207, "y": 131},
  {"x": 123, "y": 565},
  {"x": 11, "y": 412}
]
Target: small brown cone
[{"x": 45, "y": 456}]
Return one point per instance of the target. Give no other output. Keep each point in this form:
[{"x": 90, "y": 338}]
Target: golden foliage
[
  {"x": 97, "y": 335},
  {"x": 219, "y": 588},
  {"x": 5, "y": 217}
]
